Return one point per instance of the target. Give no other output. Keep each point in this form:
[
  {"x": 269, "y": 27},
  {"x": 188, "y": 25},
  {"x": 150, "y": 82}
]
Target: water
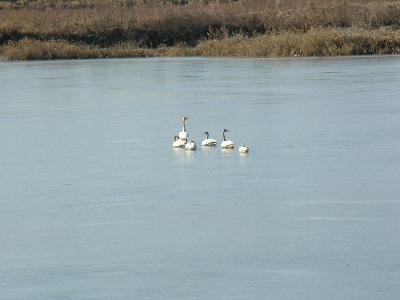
[{"x": 95, "y": 203}]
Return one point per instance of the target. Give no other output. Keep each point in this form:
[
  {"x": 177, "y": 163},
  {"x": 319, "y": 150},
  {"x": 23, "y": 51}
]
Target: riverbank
[
  {"x": 316, "y": 42},
  {"x": 95, "y": 29}
]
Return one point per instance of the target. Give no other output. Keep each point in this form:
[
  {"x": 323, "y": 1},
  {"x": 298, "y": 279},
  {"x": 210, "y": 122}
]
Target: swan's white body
[
  {"x": 179, "y": 143},
  {"x": 226, "y": 144},
  {"x": 183, "y": 134},
  {"x": 209, "y": 142},
  {"x": 191, "y": 146},
  {"x": 243, "y": 149}
]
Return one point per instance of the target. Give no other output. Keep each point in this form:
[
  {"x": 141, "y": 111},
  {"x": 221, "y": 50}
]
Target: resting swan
[
  {"x": 243, "y": 149},
  {"x": 178, "y": 143},
  {"x": 207, "y": 141},
  {"x": 191, "y": 146},
  {"x": 183, "y": 134},
  {"x": 226, "y": 144}
]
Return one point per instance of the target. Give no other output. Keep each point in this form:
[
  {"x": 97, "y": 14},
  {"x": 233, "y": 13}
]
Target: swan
[
  {"x": 226, "y": 144},
  {"x": 191, "y": 146},
  {"x": 243, "y": 149},
  {"x": 183, "y": 134},
  {"x": 178, "y": 143},
  {"x": 207, "y": 141}
]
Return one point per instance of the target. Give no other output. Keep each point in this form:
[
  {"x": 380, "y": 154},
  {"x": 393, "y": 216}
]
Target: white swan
[
  {"x": 207, "y": 141},
  {"x": 226, "y": 144},
  {"x": 191, "y": 146},
  {"x": 243, "y": 149},
  {"x": 178, "y": 143},
  {"x": 184, "y": 134}
]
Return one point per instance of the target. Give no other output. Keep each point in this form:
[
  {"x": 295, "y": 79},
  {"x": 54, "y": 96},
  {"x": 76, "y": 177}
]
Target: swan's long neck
[
  {"x": 223, "y": 135},
  {"x": 206, "y": 135},
  {"x": 184, "y": 125}
]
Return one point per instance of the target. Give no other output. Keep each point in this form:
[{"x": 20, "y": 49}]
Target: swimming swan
[
  {"x": 191, "y": 146},
  {"x": 243, "y": 149},
  {"x": 207, "y": 141},
  {"x": 226, "y": 144},
  {"x": 183, "y": 134},
  {"x": 178, "y": 143}
]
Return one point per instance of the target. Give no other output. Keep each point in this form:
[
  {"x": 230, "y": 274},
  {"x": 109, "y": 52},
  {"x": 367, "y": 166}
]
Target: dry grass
[
  {"x": 316, "y": 42},
  {"x": 41, "y": 4},
  {"x": 110, "y": 28},
  {"x": 28, "y": 49},
  {"x": 153, "y": 26}
]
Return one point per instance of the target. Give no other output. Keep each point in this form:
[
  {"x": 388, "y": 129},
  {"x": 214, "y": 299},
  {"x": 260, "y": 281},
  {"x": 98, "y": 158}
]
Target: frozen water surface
[{"x": 95, "y": 203}]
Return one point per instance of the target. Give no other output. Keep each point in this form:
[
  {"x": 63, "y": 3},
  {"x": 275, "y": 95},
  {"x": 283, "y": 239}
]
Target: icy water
[{"x": 95, "y": 203}]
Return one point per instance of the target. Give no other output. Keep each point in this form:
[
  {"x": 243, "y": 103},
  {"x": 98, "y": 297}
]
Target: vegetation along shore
[{"x": 45, "y": 29}]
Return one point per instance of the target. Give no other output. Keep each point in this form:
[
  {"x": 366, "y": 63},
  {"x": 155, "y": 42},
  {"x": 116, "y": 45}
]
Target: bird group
[{"x": 182, "y": 140}]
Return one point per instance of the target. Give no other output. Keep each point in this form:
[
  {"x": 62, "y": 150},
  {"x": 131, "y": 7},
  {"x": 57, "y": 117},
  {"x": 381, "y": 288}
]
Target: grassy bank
[
  {"x": 315, "y": 42},
  {"x": 104, "y": 28}
]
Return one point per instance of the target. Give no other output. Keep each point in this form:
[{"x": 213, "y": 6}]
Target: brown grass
[
  {"x": 153, "y": 26},
  {"x": 150, "y": 25},
  {"x": 28, "y": 49},
  {"x": 316, "y": 42}
]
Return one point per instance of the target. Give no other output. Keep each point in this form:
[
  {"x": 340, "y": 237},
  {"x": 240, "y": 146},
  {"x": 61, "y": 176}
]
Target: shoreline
[{"x": 367, "y": 56}]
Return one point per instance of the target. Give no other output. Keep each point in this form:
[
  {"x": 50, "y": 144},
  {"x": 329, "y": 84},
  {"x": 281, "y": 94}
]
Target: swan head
[
  {"x": 206, "y": 134},
  {"x": 176, "y": 138},
  {"x": 184, "y": 119},
  {"x": 223, "y": 133}
]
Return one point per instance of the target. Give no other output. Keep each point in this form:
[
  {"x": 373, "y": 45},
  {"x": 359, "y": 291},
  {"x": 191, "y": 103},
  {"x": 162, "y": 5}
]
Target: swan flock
[{"x": 182, "y": 140}]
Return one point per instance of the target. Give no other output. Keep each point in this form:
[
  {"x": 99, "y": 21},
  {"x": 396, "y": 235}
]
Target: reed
[
  {"x": 110, "y": 28},
  {"x": 315, "y": 42},
  {"x": 28, "y": 49},
  {"x": 153, "y": 26}
]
